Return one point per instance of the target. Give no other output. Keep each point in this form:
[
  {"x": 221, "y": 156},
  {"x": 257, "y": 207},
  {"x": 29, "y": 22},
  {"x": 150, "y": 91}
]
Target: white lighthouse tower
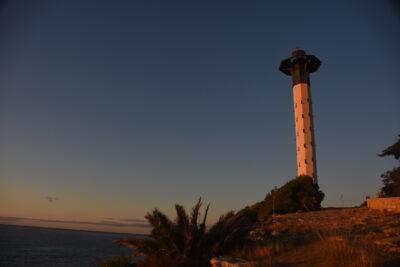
[{"x": 299, "y": 66}]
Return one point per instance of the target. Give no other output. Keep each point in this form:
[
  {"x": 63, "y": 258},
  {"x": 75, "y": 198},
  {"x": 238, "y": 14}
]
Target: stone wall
[{"x": 385, "y": 203}]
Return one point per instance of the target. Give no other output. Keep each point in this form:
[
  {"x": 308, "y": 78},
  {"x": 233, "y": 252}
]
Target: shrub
[
  {"x": 391, "y": 179},
  {"x": 299, "y": 194},
  {"x": 185, "y": 242},
  {"x": 391, "y": 183}
]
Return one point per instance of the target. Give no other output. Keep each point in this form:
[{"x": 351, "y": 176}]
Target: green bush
[{"x": 299, "y": 194}]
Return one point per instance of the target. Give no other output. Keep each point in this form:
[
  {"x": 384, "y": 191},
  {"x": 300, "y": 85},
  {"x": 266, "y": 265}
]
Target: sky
[{"x": 109, "y": 109}]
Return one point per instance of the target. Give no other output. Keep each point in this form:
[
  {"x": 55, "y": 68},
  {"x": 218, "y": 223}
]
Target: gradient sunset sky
[{"x": 109, "y": 109}]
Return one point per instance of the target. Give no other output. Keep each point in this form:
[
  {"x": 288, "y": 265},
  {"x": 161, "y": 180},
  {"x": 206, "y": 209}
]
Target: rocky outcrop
[{"x": 231, "y": 262}]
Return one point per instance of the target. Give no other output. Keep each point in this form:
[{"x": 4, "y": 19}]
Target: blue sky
[{"x": 117, "y": 107}]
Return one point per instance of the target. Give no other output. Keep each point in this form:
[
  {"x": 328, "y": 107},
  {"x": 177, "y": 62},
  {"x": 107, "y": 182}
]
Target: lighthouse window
[
  {"x": 301, "y": 101},
  {"x": 304, "y": 130},
  {"x": 305, "y": 146},
  {"x": 305, "y": 161},
  {"x": 302, "y": 115}
]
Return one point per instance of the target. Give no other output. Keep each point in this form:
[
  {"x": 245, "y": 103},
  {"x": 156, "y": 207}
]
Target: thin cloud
[
  {"x": 10, "y": 219},
  {"x": 124, "y": 220},
  {"x": 133, "y": 220},
  {"x": 100, "y": 223}
]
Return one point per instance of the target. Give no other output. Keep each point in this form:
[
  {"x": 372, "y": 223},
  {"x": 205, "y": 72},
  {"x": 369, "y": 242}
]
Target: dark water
[{"x": 32, "y": 246}]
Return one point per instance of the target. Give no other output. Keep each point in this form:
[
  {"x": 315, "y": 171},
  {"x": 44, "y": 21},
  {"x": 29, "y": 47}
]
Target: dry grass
[
  {"x": 330, "y": 252},
  {"x": 342, "y": 237},
  {"x": 344, "y": 253},
  {"x": 262, "y": 255}
]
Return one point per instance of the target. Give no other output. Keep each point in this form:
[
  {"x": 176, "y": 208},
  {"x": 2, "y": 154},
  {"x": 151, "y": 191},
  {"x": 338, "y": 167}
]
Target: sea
[{"x": 34, "y": 246}]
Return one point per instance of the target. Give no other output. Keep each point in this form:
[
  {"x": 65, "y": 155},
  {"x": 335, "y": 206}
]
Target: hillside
[{"x": 331, "y": 237}]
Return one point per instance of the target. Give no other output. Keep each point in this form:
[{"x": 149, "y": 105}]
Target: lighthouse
[{"x": 299, "y": 66}]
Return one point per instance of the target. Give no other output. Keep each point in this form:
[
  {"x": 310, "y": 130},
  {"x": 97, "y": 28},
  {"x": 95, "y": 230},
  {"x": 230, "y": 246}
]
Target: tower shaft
[
  {"x": 299, "y": 66},
  {"x": 303, "y": 117}
]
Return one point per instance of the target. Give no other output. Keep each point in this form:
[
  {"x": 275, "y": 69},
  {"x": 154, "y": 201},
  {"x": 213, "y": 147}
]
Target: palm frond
[
  {"x": 163, "y": 230},
  {"x": 202, "y": 227},
  {"x": 181, "y": 228},
  {"x": 195, "y": 214},
  {"x": 160, "y": 222}
]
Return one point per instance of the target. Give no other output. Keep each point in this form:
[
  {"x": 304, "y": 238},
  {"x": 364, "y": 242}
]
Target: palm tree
[{"x": 185, "y": 241}]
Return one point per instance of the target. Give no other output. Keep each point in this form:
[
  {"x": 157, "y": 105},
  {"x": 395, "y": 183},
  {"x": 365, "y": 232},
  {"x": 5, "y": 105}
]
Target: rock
[{"x": 231, "y": 262}]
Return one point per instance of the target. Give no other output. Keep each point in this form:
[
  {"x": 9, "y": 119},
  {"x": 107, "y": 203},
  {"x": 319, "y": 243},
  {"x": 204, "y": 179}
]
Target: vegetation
[
  {"x": 329, "y": 251},
  {"x": 344, "y": 251},
  {"x": 391, "y": 179},
  {"x": 185, "y": 241},
  {"x": 330, "y": 237},
  {"x": 299, "y": 194}
]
